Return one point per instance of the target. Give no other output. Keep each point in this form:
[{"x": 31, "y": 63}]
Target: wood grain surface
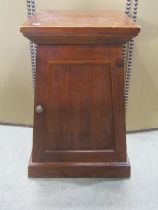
[
  {"x": 80, "y": 19},
  {"x": 79, "y": 27},
  {"x": 80, "y": 86}
]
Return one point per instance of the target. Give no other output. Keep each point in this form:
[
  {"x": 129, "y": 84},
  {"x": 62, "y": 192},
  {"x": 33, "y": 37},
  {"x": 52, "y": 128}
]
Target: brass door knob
[{"x": 39, "y": 109}]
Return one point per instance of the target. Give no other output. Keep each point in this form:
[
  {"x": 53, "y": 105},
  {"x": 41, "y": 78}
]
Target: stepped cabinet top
[{"x": 77, "y": 27}]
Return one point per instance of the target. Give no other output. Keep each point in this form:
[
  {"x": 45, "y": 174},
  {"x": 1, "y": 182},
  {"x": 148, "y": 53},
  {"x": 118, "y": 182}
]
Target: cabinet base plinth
[{"x": 79, "y": 169}]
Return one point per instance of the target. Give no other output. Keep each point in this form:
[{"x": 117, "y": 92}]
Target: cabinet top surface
[{"x": 49, "y": 20}]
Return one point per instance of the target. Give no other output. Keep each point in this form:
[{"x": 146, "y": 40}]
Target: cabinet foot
[{"x": 79, "y": 169}]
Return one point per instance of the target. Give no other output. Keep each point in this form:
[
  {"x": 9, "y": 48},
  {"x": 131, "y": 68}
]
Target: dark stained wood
[
  {"x": 80, "y": 85},
  {"x": 79, "y": 99},
  {"x": 79, "y": 170},
  {"x": 80, "y": 27}
]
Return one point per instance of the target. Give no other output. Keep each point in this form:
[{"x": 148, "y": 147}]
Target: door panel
[{"x": 79, "y": 101}]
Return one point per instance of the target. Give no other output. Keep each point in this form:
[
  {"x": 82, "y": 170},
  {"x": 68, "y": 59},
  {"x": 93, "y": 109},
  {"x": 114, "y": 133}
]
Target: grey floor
[{"x": 17, "y": 192}]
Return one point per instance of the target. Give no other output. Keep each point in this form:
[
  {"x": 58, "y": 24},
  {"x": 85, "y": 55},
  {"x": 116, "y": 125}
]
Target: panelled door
[{"x": 77, "y": 109}]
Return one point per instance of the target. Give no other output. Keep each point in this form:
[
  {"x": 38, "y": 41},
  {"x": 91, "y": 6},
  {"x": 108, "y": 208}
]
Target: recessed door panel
[{"x": 79, "y": 116}]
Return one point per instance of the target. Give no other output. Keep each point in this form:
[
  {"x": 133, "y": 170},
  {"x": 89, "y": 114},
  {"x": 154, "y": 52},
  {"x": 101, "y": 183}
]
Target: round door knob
[{"x": 39, "y": 109}]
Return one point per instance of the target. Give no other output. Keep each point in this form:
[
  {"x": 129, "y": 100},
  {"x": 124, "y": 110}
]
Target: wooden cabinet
[{"x": 79, "y": 118}]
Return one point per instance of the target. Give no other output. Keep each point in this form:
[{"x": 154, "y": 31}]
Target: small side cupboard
[{"x": 79, "y": 112}]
